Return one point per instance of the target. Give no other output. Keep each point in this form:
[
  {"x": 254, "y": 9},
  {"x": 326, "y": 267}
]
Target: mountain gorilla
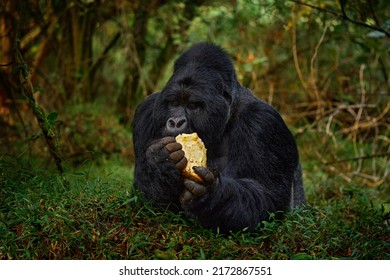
[{"x": 252, "y": 160}]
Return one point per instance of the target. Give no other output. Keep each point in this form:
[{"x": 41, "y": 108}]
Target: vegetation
[
  {"x": 93, "y": 215},
  {"x": 72, "y": 73}
]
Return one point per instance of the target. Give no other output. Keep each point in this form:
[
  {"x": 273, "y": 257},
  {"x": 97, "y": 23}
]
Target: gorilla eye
[
  {"x": 194, "y": 106},
  {"x": 174, "y": 103}
]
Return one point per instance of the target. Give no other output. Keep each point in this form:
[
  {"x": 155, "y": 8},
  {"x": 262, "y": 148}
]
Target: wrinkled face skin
[{"x": 193, "y": 101}]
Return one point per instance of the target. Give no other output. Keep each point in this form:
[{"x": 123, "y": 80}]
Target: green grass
[{"x": 92, "y": 213}]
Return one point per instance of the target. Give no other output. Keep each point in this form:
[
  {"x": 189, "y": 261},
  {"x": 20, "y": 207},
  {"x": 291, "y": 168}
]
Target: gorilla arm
[
  {"x": 256, "y": 180},
  {"x": 231, "y": 204}
]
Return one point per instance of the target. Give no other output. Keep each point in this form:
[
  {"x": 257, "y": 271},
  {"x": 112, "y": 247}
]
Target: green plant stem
[{"x": 28, "y": 93}]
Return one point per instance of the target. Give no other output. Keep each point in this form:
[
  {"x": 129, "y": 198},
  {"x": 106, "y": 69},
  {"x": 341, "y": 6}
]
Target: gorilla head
[{"x": 199, "y": 96}]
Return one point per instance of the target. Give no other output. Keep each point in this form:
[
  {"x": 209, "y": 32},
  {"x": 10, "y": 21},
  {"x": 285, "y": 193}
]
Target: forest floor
[{"x": 93, "y": 213}]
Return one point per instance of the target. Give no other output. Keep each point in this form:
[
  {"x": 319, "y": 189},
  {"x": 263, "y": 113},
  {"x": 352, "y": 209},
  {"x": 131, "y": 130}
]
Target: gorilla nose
[{"x": 176, "y": 125}]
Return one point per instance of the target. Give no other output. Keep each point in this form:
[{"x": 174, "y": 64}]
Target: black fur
[{"x": 249, "y": 147}]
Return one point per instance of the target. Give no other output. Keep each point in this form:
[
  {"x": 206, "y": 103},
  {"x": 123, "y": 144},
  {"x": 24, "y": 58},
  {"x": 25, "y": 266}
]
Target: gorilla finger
[
  {"x": 176, "y": 156},
  {"x": 166, "y": 140},
  {"x": 174, "y": 146},
  {"x": 205, "y": 173},
  {"x": 186, "y": 197},
  {"x": 159, "y": 144},
  {"x": 195, "y": 188},
  {"x": 181, "y": 164}
]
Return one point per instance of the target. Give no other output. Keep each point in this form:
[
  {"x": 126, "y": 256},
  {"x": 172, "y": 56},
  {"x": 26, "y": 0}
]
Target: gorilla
[{"x": 253, "y": 165}]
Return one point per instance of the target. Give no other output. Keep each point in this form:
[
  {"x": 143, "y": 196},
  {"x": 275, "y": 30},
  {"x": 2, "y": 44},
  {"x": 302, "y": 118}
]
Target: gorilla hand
[
  {"x": 194, "y": 190},
  {"x": 167, "y": 150}
]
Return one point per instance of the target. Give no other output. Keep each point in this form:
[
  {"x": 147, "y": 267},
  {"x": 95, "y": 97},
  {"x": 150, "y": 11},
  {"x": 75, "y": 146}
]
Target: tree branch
[
  {"x": 28, "y": 92},
  {"x": 344, "y": 16},
  {"x": 373, "y": 13},
  {"x": 358, "y": 158}
]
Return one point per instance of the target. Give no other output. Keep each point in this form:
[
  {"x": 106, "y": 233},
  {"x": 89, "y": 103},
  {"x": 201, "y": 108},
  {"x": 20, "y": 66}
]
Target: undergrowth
[{"x": 93, "y": 213}]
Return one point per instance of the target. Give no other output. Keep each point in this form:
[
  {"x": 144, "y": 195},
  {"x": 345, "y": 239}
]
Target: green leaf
[
  {"x": 39, "y": 89},
  {"x": 52, "y": 117},
  {"x": 18, "y": 68}
]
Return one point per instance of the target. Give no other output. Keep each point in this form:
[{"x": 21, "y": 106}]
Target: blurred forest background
[
  {"x": 72, "y": 73},
  {"x": 82, "y": 67}
]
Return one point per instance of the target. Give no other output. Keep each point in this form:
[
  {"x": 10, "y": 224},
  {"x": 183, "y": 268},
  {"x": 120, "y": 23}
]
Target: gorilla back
[{"x": 252, "y": 159}]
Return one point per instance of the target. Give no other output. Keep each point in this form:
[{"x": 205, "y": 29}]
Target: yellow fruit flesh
[{"x": 195, "y": 152}]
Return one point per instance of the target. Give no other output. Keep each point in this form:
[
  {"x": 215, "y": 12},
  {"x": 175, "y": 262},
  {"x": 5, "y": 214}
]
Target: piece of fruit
[{"x": 195, "y": 152}]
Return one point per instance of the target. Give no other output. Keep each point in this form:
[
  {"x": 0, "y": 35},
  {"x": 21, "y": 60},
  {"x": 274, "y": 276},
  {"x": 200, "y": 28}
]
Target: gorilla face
[{"x": 193, "y": 101}]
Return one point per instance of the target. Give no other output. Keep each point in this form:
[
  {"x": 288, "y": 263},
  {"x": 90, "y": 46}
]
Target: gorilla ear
[
  {"x": 229, "y": 91},
  {"x": 227, "y": 96}
]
